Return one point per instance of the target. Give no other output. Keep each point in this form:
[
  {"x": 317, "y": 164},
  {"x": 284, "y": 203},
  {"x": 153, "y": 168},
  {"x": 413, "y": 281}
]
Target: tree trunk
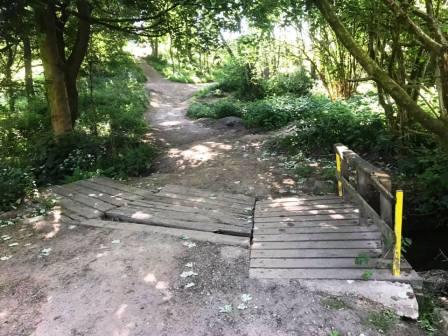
[
  {"x": 11, "y": 52},
  {"x": 53, "y": 69},
  {"x": 400, "y": 96},
  {"x": 79, "y": 52},
  {"x": 27, "y": 58}
]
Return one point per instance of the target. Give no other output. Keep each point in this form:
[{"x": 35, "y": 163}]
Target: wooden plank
[
  {"x": 331, "y": 274},
  {"x": 315, "y": 253},
  {"x": 88, "y": 202},
  {"x": 298, "y": 199},
  {"x": 178, "y": 189},
  {"x": 78, "y": 209},
  {"x": 194, "y": 235},
  {"x": 260, "y": 211},
  {"x": 199, "y": 199},
  {"x": 328, "y": 223},
  {"x": 190, "y": 216},
  {"x": 215, "y": 213},
  {"x": 305, "y": 218},
  {"x": 144, "y": 217},
  {"x": 357, "y": 244},
  {"x": 308, "y": 237},
  {"x": 377, "y": 263},
  {"x": 113, "y": 192},
  {"x": 120, "y": 186},
  {"x": 75, "y": 187},
  {"x": 293, "y": 214},
  {"x": 285, "y": 205},
  {"x": 340, "y": 229},
  {"x": 201, "y": 205}
]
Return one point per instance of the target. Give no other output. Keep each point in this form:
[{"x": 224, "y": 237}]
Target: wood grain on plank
[
  {"x": 294, "y": 214},
  {"x": 178, "y": 189},
  {"x": 315, "y": 253},
  {"x": 322, "y": 263},
  {"x": 120, "y": 186},
  {"x": 331, "y": 273},
  {"x": 326, "y": 223},
  {"x": 87, "y": 201},
  {"x": 75, "y": 187},
  {"x": 113, "y": 192},
  {"x": 293, "y": 208},
  {"x": 340, "y": 229},
  {"x": 308, "y": 218},
  {"x": 145, "y": 217},
  {"x": 308, "y": 237},
  {"x": 357, "y": 244}
]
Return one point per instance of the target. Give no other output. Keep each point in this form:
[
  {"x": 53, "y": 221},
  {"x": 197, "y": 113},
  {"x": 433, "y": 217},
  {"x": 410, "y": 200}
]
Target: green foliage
[
  {"x": 383, "y": 321},
  {"x": 297, "y": 83},
  {"x": 239, "y": 77},
  {"x": 185, "y": 74},
  {"x": 108, "y": 138},
  {"x": 362, "y": 259},
  {"x": 199, "y": 110},
  {"x": 333, "y": 302},
  {"x": 428, "y": 315},
  {"x": 367, "y": 275},
  {"x": 15, "y": 183},
  {"x": 216, "y": 110}
]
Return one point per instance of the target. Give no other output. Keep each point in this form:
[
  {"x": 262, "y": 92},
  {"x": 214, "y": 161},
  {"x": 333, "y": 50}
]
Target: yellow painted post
[
  {"x": 338, "y": 170},
  {"x": 398, "y": 227}
]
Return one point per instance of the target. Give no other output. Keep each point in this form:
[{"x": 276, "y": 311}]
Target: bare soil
[{"x": 113, "y": 282}]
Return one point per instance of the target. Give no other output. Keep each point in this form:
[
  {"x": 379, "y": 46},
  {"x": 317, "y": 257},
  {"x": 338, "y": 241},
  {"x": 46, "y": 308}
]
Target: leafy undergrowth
[
  {"x": 108, "y": 138},
  {"x": 184, "y": 74}
]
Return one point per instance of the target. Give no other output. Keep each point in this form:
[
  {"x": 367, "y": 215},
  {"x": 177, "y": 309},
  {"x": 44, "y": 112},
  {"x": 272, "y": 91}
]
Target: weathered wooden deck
[
  {"x": 306, "y": 237},
  {"x": 317, "y": 237}
]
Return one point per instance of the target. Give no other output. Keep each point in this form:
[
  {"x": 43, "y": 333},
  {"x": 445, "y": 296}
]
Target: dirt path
[{"x": 87, "y": 281}]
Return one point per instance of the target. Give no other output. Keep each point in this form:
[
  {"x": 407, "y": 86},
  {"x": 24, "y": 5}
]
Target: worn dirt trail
[{"x": 96, "y": 282}]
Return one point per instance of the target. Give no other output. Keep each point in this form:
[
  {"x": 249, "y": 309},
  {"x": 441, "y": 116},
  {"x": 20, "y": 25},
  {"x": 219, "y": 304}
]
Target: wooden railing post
[
  {"x": 386, "y": 204},
  {"x": 364, "y": 188}
]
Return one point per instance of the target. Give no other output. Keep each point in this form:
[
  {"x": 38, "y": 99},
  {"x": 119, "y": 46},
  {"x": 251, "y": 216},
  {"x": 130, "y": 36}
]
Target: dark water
[{"x": 425, "y": 250}]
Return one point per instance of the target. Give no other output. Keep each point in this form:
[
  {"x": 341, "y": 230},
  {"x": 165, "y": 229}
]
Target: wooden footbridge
[{"x": 301, "y": 237}]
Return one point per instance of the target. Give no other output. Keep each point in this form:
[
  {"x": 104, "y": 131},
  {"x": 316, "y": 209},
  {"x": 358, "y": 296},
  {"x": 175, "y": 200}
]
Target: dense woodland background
[{"x": 370, "y": 74}]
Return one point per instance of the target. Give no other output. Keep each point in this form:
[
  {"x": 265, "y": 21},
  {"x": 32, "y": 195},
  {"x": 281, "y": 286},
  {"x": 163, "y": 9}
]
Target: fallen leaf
[
  {"x": 184, "y": 237},
  {"x": 246, "y": 297},
  {"x": 190, "y": 284},
  {"x": 4, "y": 258},
  {"x": 13, "y": 244},
  {"x": 187, "y": 274},
  {"x": 189, "y": 244},
  {"x": 190, "y": 264},
  {"x": 226, "y": 309},
  {"x": 116, "y": 241},
  {"x": 242, "y": 306}
]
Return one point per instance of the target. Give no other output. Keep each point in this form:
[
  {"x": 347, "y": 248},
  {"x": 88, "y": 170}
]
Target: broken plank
[
  {"x": 315, "y": 253},
  {"x": 194, "y": 235},
  {"x": 306, "y": 218},
  {"x": 378, "y": 263},
  {"x": 358, "y": 244},
  {"x": 328, "y": 223},
  {"x": 87, "y": 201},
  {"x": 178, "y": 189},
  {"x": 330, "y": 236},
  {"x": 113, "y": 192},
  {"x": 120, "y": 186},
  {"x": 75, "y": 187},
  {"x": 199, "y": 199},
  {"x": 340, "y": 229},
  {"x": 212, "y": 213},
  {"x": 332, "y": 274},
  {"x": 198, "y": 204},
  {"x": 145, "y": 217},
  {"x": 188, "y": 216},
  {"x": 78, "y": 209}
]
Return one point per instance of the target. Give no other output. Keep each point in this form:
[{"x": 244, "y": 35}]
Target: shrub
[
  {"x": 15, "y": 183},
  {"x": 199, "y": 110},
  {"x": 297, "y": 83},
  {"x": 265, "y": 115},
  {"x": 225, "y": 108}
]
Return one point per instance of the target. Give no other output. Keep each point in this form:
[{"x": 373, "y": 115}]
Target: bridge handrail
[{"x": 369, "y": 182}]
